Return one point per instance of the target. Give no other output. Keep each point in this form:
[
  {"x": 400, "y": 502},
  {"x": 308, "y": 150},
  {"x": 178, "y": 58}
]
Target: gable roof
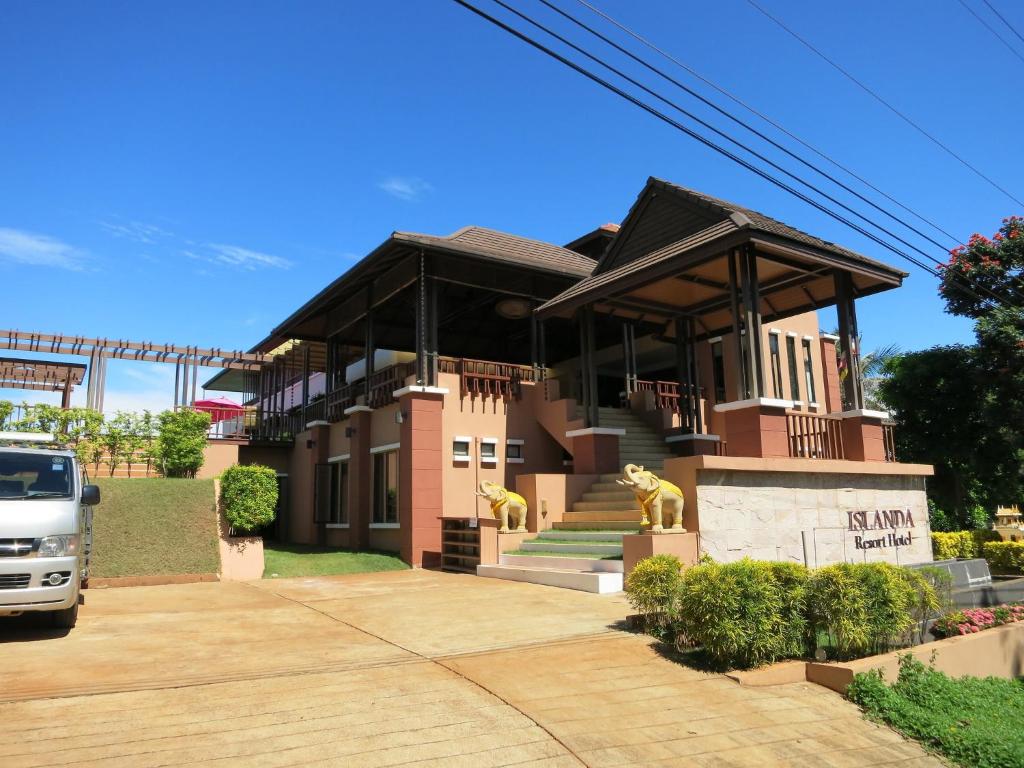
[
  {"x": 705, "y": 210},
  {"x": 501, "y": 246}
]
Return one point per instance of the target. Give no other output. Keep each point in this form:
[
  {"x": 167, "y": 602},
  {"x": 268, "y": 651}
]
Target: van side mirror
[{"x": 90, "y": 495}]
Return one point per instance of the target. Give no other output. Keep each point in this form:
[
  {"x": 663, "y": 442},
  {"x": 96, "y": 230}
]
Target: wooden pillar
[
  {"x": 369, "y": 346},
  {"x": 588, "y": 369},
  {"x": 65, "y": 398},
  {"x": 629, "y": 356},
  {"x": 305, "y": 382},
  {"x": 742, "y": 386},
  {"x": 853, "y": 395},
  {"x": 683, "y": 375},
  {"x": 752, "y": 321}
]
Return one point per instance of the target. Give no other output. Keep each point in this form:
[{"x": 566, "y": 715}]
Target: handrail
[
  {"x": 666, "y": 393},
  {"x": 488, "y": 378},
  {"x": 814, "y": 436}
]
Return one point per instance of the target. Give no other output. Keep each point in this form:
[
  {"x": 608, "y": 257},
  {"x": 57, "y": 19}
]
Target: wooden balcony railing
[
  {"x": 384, "y": 382},
  {"x": 263, "y": 426},
  {"x": 666, "y": 393},
  {"x": 889, "y": 440},
  {"x": 487, "y": 378},
  {"x": 814, "y": 437}
]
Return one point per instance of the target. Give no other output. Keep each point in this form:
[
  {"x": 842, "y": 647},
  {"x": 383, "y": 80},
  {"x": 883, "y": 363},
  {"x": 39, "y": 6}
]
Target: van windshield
[{"x": 29, "y": 475}]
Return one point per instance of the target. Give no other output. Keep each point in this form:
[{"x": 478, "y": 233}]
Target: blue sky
[{"x": 192, "y": 172}]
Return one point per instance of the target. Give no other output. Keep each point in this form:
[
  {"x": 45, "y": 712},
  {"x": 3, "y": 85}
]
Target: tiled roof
[
  {"x": 501, "y": 246},
  {"x": 768, "y": 224}
]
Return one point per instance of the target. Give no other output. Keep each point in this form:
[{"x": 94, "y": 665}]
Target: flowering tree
[{"x": 961, "y": 408}]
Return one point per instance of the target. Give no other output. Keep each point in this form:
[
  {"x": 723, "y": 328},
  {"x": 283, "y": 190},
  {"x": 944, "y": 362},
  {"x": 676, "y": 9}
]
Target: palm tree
[{"x": 872, "y": 369}]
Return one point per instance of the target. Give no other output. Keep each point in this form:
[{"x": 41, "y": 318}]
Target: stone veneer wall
[{"x": 762, "y": 514}]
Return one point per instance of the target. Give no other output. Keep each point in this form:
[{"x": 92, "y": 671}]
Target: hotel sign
[{"x": 880, "y": 520}]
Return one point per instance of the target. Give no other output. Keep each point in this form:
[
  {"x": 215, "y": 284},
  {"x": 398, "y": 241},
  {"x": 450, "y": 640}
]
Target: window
[
  {"x": 514, "y": 451},
  {"x": 460, "y": 447},
  {"x": 718, "y": 370},
  {"x": 773, "y": 351},
  {"x": 339, "y": 494},
  {"x": 385, "y": 488},
  {"x": 488, "y": 450},
  {"x": 794, "y": 377},
  {"x": 809, "y": 372}
]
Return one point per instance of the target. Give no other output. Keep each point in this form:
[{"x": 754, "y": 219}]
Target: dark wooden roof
[
  {"x": 665, "y": 212},
  {"x": 500, "y": 246}
]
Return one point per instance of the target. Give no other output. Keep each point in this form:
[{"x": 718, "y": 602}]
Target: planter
[{"x": 241, "y": 557}]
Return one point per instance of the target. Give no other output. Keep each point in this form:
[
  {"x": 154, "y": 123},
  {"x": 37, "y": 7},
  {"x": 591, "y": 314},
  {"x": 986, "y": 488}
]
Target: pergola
[
  {"x": 41, "y": 375},
  {"x": 700, "y": 268}
]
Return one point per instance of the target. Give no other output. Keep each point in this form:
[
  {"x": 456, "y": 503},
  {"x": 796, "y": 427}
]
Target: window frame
[
  {"x": 775, "y": 356},
  {"x": 812, "y": 395},
  {"x": 380, "y": 487},
  {"x": 794, "y": 371}
]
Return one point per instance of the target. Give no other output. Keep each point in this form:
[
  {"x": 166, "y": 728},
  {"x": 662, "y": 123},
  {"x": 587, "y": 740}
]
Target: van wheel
[{"x": 64, "y": 619}]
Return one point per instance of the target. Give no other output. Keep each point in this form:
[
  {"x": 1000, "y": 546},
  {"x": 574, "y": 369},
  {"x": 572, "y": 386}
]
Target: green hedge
[
  {"x": 652, "y": 586},
  {"x": 248, "y": 496},
  {"x": 1004, "y": 556},
  {"x": 964, "y": 545},
  {"x": 749, "y": 613}
]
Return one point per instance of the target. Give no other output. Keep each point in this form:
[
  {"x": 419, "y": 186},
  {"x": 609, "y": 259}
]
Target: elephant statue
[
  {"x": 655, "y": 496},
  {"x": 505, "y": 505}
]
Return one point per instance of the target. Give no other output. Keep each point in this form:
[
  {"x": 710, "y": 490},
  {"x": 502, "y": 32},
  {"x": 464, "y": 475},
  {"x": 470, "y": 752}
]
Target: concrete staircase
[
  {"x": 590, "y": 561},
  {"x": 577, "y": 553}
]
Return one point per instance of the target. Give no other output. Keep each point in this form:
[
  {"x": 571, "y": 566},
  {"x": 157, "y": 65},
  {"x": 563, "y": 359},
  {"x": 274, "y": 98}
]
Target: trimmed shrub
[
  {"x": 1004, "y": 557},
  {"x": 964, "y": 545},
  {"x": 743, "y": 614},
  {"x": 837, "y": 607},
  {"x": 248, "y": 496},
  {"x": 652, "y": 588}
]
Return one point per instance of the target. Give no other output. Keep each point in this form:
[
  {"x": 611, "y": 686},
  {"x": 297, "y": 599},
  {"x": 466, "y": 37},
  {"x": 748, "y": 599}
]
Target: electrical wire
[
  {"x": 782, "y": 129},
  {"x": 886, "y": 104},
  {"x": 696, "y": 135},
  {"x": 992, "y": 29},
  {"x": 1003, "y": 19},
  {"x": 756, "y": 132},
  {"x": 761, "y": 157}
]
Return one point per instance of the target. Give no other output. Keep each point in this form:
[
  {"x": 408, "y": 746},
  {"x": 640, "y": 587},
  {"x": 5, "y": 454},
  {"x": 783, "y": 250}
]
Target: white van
[{"x": 45, "y": 528}]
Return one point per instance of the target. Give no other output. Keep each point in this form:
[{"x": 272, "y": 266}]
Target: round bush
[
  {"x": 738, "y": 614},
  {"x": 248, "y": 496},
  {"x": 652, "y": 585}
]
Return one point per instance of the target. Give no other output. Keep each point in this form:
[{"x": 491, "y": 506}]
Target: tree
[
  {"x": 962, "y": 408},
  {"x": 180, "y": 446}
]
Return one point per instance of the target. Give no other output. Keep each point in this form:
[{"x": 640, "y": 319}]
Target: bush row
[
  {"x": 1004, "y": 557},
  {"x": 961, "y": 544},
  {"x": 749, "y": 613}
]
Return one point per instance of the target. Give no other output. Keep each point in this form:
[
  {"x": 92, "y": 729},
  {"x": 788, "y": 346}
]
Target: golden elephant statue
[
  {"x": 656, "y": 496},
  {"x": 505, "y": 505}
]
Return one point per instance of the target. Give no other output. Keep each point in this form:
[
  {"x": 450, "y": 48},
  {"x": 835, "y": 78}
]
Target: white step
[
  {"x": 562, "y": 563},
  {"x": 603, "y": 548},
  {"x": 597, "y": 582}
]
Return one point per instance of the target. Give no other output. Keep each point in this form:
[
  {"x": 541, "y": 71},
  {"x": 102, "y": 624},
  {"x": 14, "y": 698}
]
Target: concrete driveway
[{"x": 399, "y": 668}]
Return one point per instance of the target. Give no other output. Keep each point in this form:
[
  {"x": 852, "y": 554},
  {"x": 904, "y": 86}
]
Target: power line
[
  {"x": 992, "y": 29},
  {"x": 696, "y": 135},
  {"x": 736, "y": 100},
  {"x": 886, "y": 104},
  {"x": 1003, "y": 19},
  {"x": 729, "y": 138},
  {"x": 753, "y": 130}
]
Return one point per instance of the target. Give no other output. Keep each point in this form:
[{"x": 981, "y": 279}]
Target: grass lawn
[
  {"x": 153, "y": 526},
  {"x": 284, "y": 560},
  {"x": 972, "y": 721}
]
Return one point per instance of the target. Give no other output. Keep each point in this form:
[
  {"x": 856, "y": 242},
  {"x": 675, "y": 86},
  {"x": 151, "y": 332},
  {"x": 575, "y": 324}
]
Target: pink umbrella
[{"x": 219, "y": 408}]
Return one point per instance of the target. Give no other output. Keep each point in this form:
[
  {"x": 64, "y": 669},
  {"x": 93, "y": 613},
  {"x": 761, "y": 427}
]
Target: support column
[
  {"x": 830, "y": 371},
  {"x": 742, "y": 377},
  {"x": 318, "y": 445},
  {"x": 360, "y": 475},
  {"x": 420, "y": 488},
  {"x": 853, "y": 395},
  {"x": 595, "y": 450},
  {"x": 368, "y": 347},
  {"x": 753, "y": 362},
  {"x": 756, "y": 427},
  {"x": 305, "y": 382},
  {"x": 863, "y": 438},
  {"x": 65, "y": 398},
  {"x": 588, "y": 369}
]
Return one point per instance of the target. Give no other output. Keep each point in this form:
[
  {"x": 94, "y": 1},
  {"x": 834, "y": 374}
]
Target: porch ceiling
[{"x": 690, "y": 278}]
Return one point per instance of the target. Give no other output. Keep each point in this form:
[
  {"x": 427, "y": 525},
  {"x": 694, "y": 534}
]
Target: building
[{"x": 438, "y": 362}]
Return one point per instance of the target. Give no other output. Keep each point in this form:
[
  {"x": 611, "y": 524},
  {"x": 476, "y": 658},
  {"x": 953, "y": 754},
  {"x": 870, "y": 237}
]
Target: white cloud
[
  {"x": 405, "y": 187},
  {"x": 136, "y": 231},
  {"x": 236, "y": 256},
  {"x": 23, "y": 247}
]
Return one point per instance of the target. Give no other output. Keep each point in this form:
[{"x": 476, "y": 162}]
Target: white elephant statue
[
  {"x": 505, "y": 505},
  {"x": 656, "y": 497}
]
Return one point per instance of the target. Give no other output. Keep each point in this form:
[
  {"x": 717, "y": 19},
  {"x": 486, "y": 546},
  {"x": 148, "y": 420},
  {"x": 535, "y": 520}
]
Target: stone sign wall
[{"x": 832, "y": 517}]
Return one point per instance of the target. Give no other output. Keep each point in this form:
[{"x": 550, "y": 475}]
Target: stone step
[
  {"x": 622, "y": 494},
  {"x": 585, "y": 526},
  {"x": 586, "y": 581},
  {"x": 612, "y": 536},
  {"x": 604, "y": 516},
  {"x": 606, "y": 506},
  {"x": 602, "y": 487},
  {"x": 596, "y": 548},
  {"x": 562, "y": 563}
]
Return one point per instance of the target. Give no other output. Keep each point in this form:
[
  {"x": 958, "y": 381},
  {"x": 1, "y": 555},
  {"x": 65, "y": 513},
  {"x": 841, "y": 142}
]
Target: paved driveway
[{"x": 400, "y": 668}]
